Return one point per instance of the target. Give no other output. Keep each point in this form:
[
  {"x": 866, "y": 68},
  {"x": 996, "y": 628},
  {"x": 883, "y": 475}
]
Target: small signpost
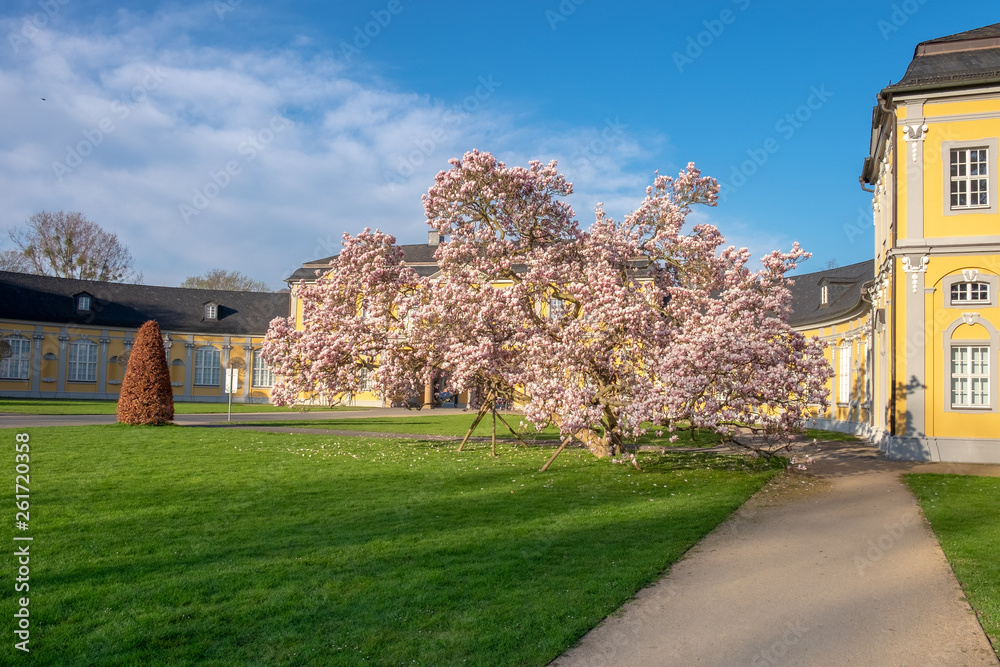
[{"x": 232, "y": 386}]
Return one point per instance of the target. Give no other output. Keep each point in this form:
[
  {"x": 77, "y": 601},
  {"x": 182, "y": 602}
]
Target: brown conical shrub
[{"x": 146, "y": 396}]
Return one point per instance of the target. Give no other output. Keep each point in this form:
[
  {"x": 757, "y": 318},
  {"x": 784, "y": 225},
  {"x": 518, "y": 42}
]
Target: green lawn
[
  {"x": 458, "y": 423},
  {"x": 49, "y": 406},
  {"x": 963, "y": 512},
  {"x": 828, "y": 436},
  {"x": 181, "y": 545}
]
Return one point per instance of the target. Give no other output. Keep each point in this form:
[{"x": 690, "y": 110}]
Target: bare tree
[
  {"x": 12, "y": 260},
  {"x": 67, "y": 245},
  {"x": 220, "y": 279}
]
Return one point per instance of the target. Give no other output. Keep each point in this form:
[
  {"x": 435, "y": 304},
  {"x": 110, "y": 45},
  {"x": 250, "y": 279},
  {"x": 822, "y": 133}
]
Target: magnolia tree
[
  {"x": 606, "y": 332},
  {"x": 354, "y": 327}
]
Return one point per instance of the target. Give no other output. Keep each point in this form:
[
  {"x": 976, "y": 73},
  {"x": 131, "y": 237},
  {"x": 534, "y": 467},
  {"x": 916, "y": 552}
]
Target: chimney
[{"x": 433, "y": 238}]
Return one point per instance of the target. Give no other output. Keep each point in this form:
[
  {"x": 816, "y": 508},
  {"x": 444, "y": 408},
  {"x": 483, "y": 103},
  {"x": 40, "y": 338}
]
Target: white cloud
[{"x": 275, "y": 155}]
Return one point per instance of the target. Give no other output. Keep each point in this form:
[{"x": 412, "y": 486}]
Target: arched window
[
  {"x": 970, "y": 365},
  {"x": 82, "y": 361},
  {"x": 970, "y": 292},
  {"x": 207, "y": 363},
  {"x": 262, "y": 376},
  {"x": 15, "y": 367}
]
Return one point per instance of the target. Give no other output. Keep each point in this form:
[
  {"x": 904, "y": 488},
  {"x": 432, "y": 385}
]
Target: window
[
  {"x": 206, "y": 367},
  {"x": 15, "y": 367},
  {"x": 970, "y": 292},
  {"x": 969, "y": 178},
  {"x": 970, "y": 376},
  {"x": 844, "y": 378},
  {"x": 262, "y": 376},
  {"x": 824, "y": 295},
  {"x": 82, "y": 366},
  {"x": 211, "y": 311},
  {"x": 557, "y": 308},
  {"x": 366, "y": 379},
  {"x": 83, "y": 302}
]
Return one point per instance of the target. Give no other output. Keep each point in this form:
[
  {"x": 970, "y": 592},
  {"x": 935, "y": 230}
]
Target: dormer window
[
  {"x": 211, "y": 311},
  {"x": 83, "y": 302},
  {"x": 824, "y": 295}
]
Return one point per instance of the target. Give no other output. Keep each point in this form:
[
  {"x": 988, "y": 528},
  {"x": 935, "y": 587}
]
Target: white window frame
[
  {"x": 83, "y": 302},
  {"x": 262, "y": 375},
  {"x": 207, "y": 372},
  {"x": 844, "y": 375},
  {"x": 969, "y": 377},
  {"x": 18, "y": 365},
  {"x": 990, "y": 340},
  {"x": 992, "y": 285},
  {"x": 367, "y": 382},
  {"x": 824, "y": 295},
  {"x": 557, "y": 308},
  {"x": 973, "y": 293},
  {"x": 950, "y": 148},
  {"x": 211, "y": 311},
  {"x": 81, "y": 362},
  {"x": 966, "y": 167}
]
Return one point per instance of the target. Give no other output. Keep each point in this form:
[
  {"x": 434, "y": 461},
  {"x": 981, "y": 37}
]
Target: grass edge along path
[
  {"x": 172, "y": 545},
  {"x": 962, "y": 511},
  {"x": 72, "y": 406}
]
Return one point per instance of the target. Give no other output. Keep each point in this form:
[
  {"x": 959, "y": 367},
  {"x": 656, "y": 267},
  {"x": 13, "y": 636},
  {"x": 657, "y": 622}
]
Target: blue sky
[{"x": 251, "y": 135}]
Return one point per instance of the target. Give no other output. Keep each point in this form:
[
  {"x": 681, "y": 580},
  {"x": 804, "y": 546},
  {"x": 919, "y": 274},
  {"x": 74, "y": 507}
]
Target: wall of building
[{"x": 49, "y": 356}]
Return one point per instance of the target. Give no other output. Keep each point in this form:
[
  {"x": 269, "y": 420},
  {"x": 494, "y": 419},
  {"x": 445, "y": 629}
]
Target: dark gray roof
[
  {"x": 45, "y": 299},
  {"x": 845, "y": 290},
  {"x": 963, "y": 59},
  {"x": 419, "y": 256}
]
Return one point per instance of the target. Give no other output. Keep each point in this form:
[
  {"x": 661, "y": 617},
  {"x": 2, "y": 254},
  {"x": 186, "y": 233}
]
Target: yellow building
[
  {"x": 916, "y": 357},
  {"x": 67, "y": 337},
  {"x": 420, "y": 258}
]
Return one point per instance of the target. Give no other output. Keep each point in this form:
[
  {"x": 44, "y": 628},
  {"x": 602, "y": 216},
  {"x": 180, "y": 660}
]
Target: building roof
[
  {"x": 52, "y": 300},
  {"x": 418, "y": 256},
  {"x": 844, "y": 286},
  {"x": 963, "y": 59}
]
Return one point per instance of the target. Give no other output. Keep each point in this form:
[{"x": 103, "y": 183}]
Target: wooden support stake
[
  {"x": 479, "y": 418},
  {"x": 513, "y": 432},
  {"x": 558, "y": 451}
]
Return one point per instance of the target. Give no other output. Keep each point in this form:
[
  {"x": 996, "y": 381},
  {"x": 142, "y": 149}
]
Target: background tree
[
  {"x": 12, "y": 260},
  {"x": 67, "y": 245},
  {"x": 147, "y": 397},
  {"x": 221, "y": 279}
]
